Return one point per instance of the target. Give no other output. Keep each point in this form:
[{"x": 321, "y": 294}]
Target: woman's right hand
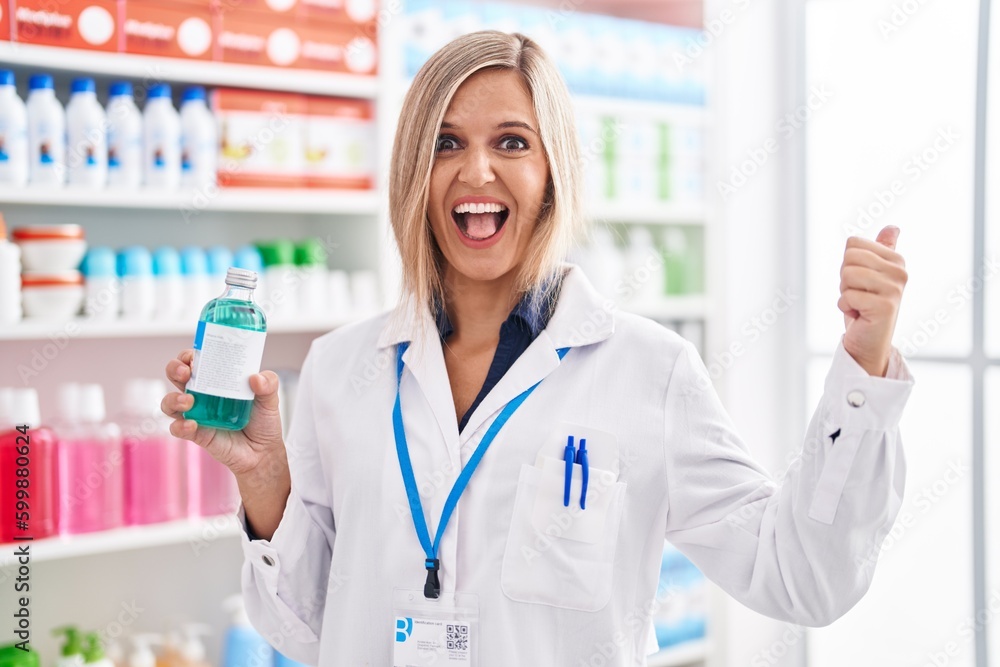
[{"x": 256, "y": 452}]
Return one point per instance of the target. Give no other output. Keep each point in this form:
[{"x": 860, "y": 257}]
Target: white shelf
[
  {"x": 329, "y": 202},
  {"x": 154, "y": 68},
  {"x": 195, "y": 532},
  {"x": 681, "y": 213},
  {"x": 671, "y": 308},
  {"x": 82, "y": 328},
  {"x": 687, "y": 653},
  {"x": 690, "y": 114}
]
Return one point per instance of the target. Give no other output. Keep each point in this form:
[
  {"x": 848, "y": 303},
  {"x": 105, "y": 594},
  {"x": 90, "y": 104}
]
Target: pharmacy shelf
[
  {"x": 679, "y": 213},
  {"x": 197, "y": 533},
  {"x": 320, "y": 202},
  {"x": 83, "y": 328},
  {"x": 671, "y": 308},
  {"x": 689, "y": 114},
  {"x": 155, "y": 69},
  {"x": 688, "y": 653}
]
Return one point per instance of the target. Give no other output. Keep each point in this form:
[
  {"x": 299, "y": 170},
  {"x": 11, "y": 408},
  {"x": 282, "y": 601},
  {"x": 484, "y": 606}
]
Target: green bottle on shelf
[{"x": 228, "y": 344}]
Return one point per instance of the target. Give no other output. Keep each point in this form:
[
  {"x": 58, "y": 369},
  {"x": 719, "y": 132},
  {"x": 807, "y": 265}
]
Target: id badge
[{"x": 442, "y": 632}]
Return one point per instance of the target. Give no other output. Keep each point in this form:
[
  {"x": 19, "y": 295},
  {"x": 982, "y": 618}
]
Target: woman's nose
[{"x": 476, "y": 169}]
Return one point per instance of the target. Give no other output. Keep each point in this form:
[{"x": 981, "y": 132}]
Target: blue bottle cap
[
  {"x": 99, "y": 262},
  {"x": 248, "y": 257},
  {"x": 194, "y": 262},
  {"x": 220, "y": 258},
  {"x": 120, "y": 89},
  {"x": 6, "y": 77},
  {"x": 135, "y": 261},
  {"x": 194, "y": 93},
  {"x": 83, "y": 85},
  {"x": 166, "y": 262},
  {"x": 41, "y": 82},
  {"x": 160, "y": 90}
]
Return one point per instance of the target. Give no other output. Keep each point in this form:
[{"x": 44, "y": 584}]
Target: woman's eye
[
  {"x": 513, "y": 143},
  {"x": 446, "y": 143}
]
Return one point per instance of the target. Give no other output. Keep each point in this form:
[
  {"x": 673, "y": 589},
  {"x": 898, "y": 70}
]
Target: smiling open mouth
[{"x": 480, "y": 221}]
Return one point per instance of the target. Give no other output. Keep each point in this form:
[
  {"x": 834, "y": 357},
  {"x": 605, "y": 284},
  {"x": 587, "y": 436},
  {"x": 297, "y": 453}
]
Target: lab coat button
[
  {"x": 267, "y": 560},
  {"x": 856, "y": 399}
]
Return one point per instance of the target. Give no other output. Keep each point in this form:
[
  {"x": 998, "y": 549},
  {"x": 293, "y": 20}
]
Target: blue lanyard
[{"x": 432, "y": 588}]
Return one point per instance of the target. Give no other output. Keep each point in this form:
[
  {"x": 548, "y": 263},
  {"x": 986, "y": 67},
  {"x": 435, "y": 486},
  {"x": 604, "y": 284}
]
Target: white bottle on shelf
[
  {"x": 87, "y": 148},
  {"x": 13, "y": 134},
  {"x": 135, "y": 264},
  {"x": 46, "y": 133},
  {"x": 644, "y": 270},
  {"x": 124, "y": 138},
  {"x": 162, "y": 140},
  {"x": 199, "y": 141},
  {"x": 10, "y": 278}
]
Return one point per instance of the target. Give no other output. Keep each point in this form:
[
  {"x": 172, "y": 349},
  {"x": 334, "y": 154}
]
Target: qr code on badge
[{"x": 457, "y": 637}]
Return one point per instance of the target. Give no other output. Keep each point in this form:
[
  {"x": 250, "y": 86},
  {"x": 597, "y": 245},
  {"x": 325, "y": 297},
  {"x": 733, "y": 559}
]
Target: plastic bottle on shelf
[
  {"x": 93, "y": 653},
  {"x": 19, "y": 409},
  {"x": 142, "y": 654},
  {"x": 13, "y": 134},
  {"x": 231, "y": 325},
  {"x": 169, "y": 284},
  {"x": 153, "y": 459},
  {"x": 124, "y": 138},
  {"x": 90, "y": 462},
  {"x": 280, "y": 302},
  {"x": 243, "y": 645},
  {"x": 71, "y": 653},
  {"x": 135, "y": 266},
  {"x": 364, "y": 292},
  {"x": 162, "y": 140},
  {"x": 103, "y": 287},
  {"x": 220, "y": 258},
  {"x": 313, "y": 293},
  {"x": 199, "y": 141},
  {"x": 197, "y": 284},
  {"x": 248, "y": 257},
  {"x": 341, "y": 304},
  {"x": 86, "y": 123},
  {"x": 190, "y": 649},
  {"x": 46, "y": 133},
  {"x": 643, "y": 268},
  {"x": 10, "y": 279}
]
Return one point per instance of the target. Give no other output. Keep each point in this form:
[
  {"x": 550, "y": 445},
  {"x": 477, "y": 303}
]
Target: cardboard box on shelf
[
  {"x": 288, "y": 7},
  {"x": 4, "y": 22},
  {"x": 79, "y": 24},
  {"x": 260, "y": 138},
  {"x": 171, "y": 28},
  {"x": 340, "y": 143},
  {"x": 360, "y": 12},
  {"x": 336, "y": 46},
  {"x": 258, "y": 38}
]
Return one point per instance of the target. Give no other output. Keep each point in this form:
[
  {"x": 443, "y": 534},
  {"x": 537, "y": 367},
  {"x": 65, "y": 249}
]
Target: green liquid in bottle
[{"x": 235, "y": 309}]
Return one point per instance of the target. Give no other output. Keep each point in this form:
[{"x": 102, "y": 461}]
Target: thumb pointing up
[{"x": 888, "y": 236}]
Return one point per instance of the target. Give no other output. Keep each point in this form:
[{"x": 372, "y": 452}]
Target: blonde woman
[{"x": 435, "y": 511}]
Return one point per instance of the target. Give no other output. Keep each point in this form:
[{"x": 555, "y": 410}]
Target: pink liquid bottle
[
  {"x": 90, "y": 462},
  {"x": 26, "y": 445},
  {"x": 155, "y": 475}
]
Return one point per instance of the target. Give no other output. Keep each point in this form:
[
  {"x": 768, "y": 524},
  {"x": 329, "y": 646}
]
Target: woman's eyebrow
[{"x": 502, "y": 126}]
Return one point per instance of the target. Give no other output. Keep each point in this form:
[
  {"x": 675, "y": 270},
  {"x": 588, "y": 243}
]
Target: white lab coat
[{"x": 553, "y": 591}]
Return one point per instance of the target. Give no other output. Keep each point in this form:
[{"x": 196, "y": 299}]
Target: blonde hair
[{"x": 413, "y": 157}]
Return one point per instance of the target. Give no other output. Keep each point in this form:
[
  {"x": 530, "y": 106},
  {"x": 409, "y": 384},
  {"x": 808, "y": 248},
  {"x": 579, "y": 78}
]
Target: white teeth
[{"x": 479, "y": 208}]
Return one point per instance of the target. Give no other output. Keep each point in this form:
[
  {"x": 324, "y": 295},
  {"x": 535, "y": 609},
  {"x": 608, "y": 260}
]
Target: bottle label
[{"x": 224, "y": 359}]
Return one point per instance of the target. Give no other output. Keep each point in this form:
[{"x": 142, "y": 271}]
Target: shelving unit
[{"x": 81, "y": 328}]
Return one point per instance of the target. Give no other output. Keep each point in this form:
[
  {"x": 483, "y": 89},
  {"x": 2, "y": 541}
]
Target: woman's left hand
[{"x": 872, "y": 278}]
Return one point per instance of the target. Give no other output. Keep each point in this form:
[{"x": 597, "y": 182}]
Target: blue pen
[
  {"x": 581, "y": 458},
  {"x": 569, "y": 456}
]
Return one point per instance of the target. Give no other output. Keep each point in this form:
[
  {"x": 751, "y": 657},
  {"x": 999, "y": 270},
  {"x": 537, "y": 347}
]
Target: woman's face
[{"x": 488, "y": 178}]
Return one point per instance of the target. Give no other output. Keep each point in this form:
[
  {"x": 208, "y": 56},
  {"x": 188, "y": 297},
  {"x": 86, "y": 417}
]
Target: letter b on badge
[{"x": 404, "y": 627}]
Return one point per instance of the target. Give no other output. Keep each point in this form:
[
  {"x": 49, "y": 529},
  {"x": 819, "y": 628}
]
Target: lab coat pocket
[
  {"x": 833, "y": 478},
  {"x": 557, "y": 555}
]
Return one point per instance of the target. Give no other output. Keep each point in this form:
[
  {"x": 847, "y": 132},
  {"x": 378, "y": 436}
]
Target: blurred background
[{"x": 729, "y": 147}]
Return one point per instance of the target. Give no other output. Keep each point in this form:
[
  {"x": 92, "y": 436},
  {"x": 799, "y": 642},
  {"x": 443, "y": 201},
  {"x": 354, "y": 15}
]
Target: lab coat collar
[{"x": 582, "y": 317}]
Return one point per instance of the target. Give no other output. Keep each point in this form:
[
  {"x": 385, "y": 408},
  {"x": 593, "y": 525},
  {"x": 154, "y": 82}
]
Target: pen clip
[
  {"x": 581, "y": 458},
  {"x": 569, "y": 456}
]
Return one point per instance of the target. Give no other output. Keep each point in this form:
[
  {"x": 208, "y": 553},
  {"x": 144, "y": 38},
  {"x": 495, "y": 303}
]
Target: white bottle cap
[
  {"x": 91, "y": 403},
  {"x": 24, "y": 408},
  {"x": 68, "y": 398}
]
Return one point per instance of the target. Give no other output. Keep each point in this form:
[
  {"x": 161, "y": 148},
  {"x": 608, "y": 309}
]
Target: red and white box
[
  {"x": 77, "y": 24},
  {"x": 4, "y": 22},
  {"x": 261, "y": 138},
  {"x": 336, "y": 46},
  {"x": 258, "y": 38},
  {"x": 359, "y": 12},
  {"x": 279, "y": 7},
  {"x": 170, "y": 28},
  {"x": 340, "y": 143}
]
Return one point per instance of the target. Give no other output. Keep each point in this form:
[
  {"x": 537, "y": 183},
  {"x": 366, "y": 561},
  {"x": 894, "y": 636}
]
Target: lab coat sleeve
[
  {"x": 284, "y": 579},
  {"x": 801, "y": 548}
]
